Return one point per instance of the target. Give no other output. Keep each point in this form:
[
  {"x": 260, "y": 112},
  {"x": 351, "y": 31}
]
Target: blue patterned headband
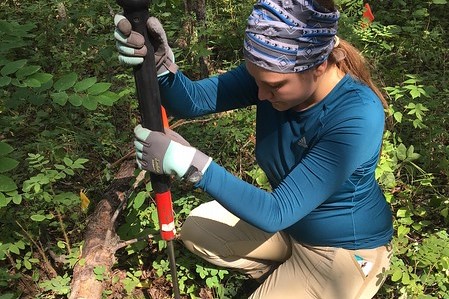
[{"x": 289, "y": 36}]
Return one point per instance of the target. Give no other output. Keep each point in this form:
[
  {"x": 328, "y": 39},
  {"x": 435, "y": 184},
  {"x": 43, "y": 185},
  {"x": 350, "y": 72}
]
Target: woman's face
[{"x": 285, "y": 91}]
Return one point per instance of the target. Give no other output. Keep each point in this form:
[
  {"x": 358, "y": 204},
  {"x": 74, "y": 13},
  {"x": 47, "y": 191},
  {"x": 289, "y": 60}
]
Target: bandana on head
[{"x": 289, "y": 36}]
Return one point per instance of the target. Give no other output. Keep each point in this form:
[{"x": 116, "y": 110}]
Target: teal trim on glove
[{"x": 169, "y": 153}]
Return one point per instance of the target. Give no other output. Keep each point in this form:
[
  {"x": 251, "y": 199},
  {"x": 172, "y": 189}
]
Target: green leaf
[
  {"x": 59, "y": 166},
  {"x": 403, "y": 212},
  {"x": 403, "y": 230},
  {"x": 27, "y": 71},
  {"x": 411, "y": 155},
  {"x": 90, "y": 103},
  {"x": 137, "y": 273},
  {"x": 4, "y": 81},
  {"x": 4, "y": 201},
  {"x": 68, "y": 161},
  {"x": 20, "y": 244},
  {"x": 401, "y": 152},
  {"x": 33, "y": 83},
  {"x": 99, "y": 270},
  {"x": 107, "y": 98},
  {"x": 397, "y": 275},
  {"x": 59, "y": 98},
  {"x": 6, "y": 164},
  {"x": 98, "y": 88},
  {"x": 212, "y": 281},
  {"x": 7, "y": 184},
  {"x": 139, "y": 200},
  {"x": 13, "y": 248},
  {"x": 78, "y": 163},
  {"x": 411, "y": 81},
  {"x": 398, "y": 116},
  {"x": 85, "y": 84},
  {"x": 17, "y": 199},
  {"x": 415, "y": 93},
  {"x": 17, "y": 83},
  {"x": 76, "y": 100},
  {"x": 12, "y": 67},
  {"x": 38, "y": 217},
  {"x": 69, "y": 171},
  {"x": 405, "y": 278},
  {"x": 440, "y": 2},
  {"x": 65, "y": 82},
  {"x": 154, "y": 217},
  {"x": 5, "y": 148},
  {"x": 42, "y": 77}
]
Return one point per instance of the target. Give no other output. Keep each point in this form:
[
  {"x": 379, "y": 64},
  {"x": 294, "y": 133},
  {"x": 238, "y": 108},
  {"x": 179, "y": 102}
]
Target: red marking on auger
[
  {"x": 164, "y": 118},
  {"x": 165, "y": 214}
]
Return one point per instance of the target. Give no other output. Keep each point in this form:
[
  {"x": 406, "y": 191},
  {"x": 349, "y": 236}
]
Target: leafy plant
[
  {"x": 7, "y": 184},
  {"x": 213, "y": 278},
  {"x": 410, "y": 89},
  {"x": 58, "y": 285},
  {"x": 67, "y": 108}
]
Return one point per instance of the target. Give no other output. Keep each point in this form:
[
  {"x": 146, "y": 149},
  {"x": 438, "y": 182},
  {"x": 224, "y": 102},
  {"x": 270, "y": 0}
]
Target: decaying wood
[{"x": 101, "y": 240}]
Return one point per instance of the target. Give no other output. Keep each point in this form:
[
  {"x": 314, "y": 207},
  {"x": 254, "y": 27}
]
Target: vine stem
[
  {"x": 132, "y": 241},
  {"x": 41, "y": 251},
  {"x": 66, "y": 237},
  {"x": 11, "y": 260}
]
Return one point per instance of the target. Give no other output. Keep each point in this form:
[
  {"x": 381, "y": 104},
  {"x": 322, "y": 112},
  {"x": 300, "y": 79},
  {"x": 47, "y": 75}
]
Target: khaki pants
[{"x": 300, "y": 271}]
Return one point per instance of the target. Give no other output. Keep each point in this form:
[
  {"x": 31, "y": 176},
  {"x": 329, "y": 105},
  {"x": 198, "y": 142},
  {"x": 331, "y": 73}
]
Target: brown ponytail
[{"x": 350, "y": 61}]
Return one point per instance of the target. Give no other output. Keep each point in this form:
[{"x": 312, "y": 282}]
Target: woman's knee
[
  {"x": 199, "y": 233},
  {"x": 206, "y": 224},
  {"x": 191, "y": 232}
]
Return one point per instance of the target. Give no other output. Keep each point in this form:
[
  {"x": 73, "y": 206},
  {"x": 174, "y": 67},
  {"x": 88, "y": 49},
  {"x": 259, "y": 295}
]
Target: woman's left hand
[{"x": 169, "y": 153}]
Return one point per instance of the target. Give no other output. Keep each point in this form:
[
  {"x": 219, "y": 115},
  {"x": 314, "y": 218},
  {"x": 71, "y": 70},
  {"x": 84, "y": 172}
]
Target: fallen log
[{"x": 101, "y": 240}]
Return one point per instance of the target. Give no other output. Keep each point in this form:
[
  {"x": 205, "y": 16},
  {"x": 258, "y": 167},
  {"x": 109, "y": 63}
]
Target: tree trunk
[
  {"x": 200, "y": 12},
  {"x": 101, "y": 240},
  {"x": 198, "y": 8}
]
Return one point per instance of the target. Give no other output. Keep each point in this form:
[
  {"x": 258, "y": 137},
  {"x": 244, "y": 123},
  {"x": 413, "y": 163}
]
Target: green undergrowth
[{"x": 67, "y": 109}]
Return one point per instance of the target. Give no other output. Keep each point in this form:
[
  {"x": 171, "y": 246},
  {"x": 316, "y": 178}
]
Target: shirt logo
[{"x": 302, "y": 142}]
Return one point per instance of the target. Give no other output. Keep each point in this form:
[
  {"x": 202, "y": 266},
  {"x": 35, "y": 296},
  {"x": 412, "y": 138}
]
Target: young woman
[{"x": 325, "y": 229}]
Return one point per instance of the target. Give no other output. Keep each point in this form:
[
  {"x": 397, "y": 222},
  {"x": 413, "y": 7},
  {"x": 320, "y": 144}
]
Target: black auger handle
[{"x": 145, "y": 75}]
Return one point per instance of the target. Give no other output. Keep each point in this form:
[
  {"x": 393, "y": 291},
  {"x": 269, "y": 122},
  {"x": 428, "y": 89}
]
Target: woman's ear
[{"x": 321, "y": 69}]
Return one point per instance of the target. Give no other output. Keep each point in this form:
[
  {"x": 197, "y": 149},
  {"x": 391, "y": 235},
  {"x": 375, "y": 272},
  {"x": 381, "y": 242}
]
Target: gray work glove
[
  {"x": 169, "y": 153},
  {"x": 132, "y": 49}
]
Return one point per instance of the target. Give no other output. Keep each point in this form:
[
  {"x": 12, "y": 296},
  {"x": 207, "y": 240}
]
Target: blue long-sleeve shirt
[{"x": 320, "y": 162}]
